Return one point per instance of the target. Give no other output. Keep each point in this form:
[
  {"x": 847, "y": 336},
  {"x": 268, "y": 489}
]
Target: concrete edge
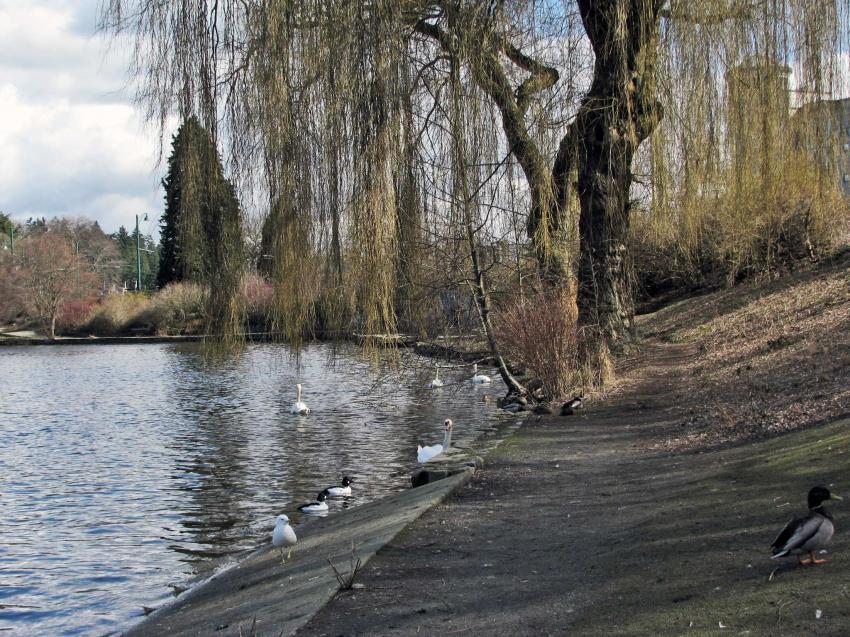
[
  {"x": 214, "y": 605},
  {"x": 458, "y": 481}
]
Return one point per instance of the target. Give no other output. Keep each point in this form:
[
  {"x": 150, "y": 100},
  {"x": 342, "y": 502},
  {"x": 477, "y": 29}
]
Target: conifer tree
[{"x": 201, "y": 232}]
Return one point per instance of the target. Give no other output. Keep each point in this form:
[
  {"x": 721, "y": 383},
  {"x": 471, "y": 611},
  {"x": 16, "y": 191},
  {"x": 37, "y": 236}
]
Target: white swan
[
  {"x": 436, "y": 382},
  {"x": 299, "y": 407},
  {"x": 479, "y": 379},
  {"x": 316, "y": 506},
  {"x": 424, "y": 454},
  {"x": 283, "y": 535},
  {"x": 343, "y": 490}
]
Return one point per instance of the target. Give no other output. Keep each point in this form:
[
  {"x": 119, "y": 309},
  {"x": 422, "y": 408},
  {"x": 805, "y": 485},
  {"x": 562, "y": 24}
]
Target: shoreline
[{"x": 247, "y": 593}]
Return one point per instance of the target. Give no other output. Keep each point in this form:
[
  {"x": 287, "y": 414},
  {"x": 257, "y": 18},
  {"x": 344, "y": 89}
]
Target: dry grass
[
  {"x": 176, "y": 309},
  {"x": 114, "y": 312},
  {"x": 771, "y": 357}
]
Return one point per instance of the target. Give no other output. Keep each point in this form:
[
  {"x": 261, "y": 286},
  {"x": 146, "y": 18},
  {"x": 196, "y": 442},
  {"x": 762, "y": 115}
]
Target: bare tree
[{"x": 50, "y": 274}]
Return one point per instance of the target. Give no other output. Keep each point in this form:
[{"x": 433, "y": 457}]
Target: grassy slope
[{"x": 772, "y": 356}]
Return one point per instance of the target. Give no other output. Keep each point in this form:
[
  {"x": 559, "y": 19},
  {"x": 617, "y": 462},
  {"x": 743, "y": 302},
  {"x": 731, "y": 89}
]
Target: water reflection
[{"x": 125, "y": 470}]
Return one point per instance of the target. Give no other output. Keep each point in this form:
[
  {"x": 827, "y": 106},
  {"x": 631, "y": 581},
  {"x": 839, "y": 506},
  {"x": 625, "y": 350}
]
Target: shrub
[
  {"x": 74, "y": 315},
  {"x": 13, "y": 304},
  {"x": 115, "y": 312},
  {"x": 758, "y": 227},
  {"x": 257, "y": 296},
  {"x": 177, "y": 308},
  {"x": 541, "y": 333}
]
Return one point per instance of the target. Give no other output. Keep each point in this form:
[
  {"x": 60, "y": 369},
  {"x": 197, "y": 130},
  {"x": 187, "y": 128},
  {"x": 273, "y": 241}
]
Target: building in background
[{"x": 822, "y": 127}]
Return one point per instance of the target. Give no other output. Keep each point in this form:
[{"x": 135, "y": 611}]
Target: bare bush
[
  {"x": 177, "y": 308},
  {"x": 13, "y": 305},
  {"x": 541, "y": 333},
  {"x": 115, "y": 312}
]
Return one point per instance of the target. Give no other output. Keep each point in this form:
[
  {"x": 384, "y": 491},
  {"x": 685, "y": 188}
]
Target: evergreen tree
[
  {"x": 127, "y": 254},
  {"x": 200, "y": 207},
  {"x": 201, "y": 228}
]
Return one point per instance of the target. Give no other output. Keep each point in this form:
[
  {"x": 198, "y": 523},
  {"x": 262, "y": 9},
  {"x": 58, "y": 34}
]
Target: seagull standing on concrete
[{"x": 283, "y": 536}]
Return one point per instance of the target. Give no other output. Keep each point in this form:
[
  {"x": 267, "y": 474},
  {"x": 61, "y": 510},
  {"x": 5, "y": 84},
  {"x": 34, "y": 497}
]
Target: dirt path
[{"x": 577, "y": 526}]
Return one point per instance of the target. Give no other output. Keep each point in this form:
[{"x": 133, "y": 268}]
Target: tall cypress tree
[
  {"x": 201, "y": 228},
  {"x": 198, "y": 200}
]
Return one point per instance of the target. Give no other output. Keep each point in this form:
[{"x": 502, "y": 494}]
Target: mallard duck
[
  {"x": 299, "y": 407},
  {"x": 316, "y": 506},
  {"x": 424, "y": 454},
  {"x": 810, "y": 533},
  {"x": 343, "y": 490},
  {"x": 283, "y": 535},
  {"x": 479, "y": 379}
]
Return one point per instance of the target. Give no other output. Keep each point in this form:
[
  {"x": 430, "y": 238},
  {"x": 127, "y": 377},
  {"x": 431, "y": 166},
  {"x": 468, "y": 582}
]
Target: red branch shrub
[{"x": 541, "y": 334}]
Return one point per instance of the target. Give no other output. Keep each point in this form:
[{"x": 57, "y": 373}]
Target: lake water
[{"x": 128, "y": 470}]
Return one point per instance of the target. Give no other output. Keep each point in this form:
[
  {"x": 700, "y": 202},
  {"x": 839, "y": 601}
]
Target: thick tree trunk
[
  {"x": 604, "y": 177},
  {"x": 618, "y": 113}
]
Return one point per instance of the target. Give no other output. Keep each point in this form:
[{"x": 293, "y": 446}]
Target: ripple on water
[{"x": 139, "y": 468}]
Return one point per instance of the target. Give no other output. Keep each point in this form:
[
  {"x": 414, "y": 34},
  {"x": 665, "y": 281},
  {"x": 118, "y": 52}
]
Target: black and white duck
[
  {"x": 342, "y": 490},
  {"x": 316, "y": 506},
  {"x": 810, "y": 533}
]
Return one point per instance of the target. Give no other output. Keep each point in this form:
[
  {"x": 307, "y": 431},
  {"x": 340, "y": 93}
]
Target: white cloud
[{"x": 72, "y": 142}]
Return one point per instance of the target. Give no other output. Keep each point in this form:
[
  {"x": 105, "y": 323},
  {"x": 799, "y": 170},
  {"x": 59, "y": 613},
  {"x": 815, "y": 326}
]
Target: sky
[{"x": 72, "y": 143}]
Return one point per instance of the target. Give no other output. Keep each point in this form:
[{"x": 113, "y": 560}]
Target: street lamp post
[{"x": 139, "y": 254}]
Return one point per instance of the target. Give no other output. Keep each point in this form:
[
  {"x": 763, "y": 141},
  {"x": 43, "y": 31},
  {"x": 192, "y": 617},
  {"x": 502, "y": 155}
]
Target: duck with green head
[{"x": 810, "y": 533}]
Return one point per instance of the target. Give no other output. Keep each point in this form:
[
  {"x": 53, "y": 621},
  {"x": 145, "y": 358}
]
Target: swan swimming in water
[
  {"x": 283, "y": 536},
  {"x": 343, "y": 490},
  {"x": 479, "y": 379},
  {"x": 424, "y": 454},
  {"x": 299, "y": 407},
  {"x": 436, "y": 382},
  {"x": 316, "y": 506}
]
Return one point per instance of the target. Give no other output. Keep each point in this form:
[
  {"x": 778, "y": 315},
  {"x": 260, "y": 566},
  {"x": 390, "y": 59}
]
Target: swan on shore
[
  {"x": 299, "y": 407},
  {"x": 424, "y": 454},
  {"x": 436, "y": 382},
  {"x": 343, "y": 490},
  {"x": 283, "y": 536},
  {"x": 479, "y": 379}
]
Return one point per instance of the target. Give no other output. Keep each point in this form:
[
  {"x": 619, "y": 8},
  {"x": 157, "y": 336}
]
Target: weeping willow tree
[
  {"x": 344, "y": 116},
  {"x": 741, "y": 169}
]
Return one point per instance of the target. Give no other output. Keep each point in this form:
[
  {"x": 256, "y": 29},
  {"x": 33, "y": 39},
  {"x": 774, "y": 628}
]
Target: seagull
[
  {"x": 299, "y": 407},
  {"x": 283, "y": 536},
  {"x": 343, "y": 490},
  {"x": 424, "y": 454},
  {"x": 316, "y": 506},
  {"x": 810, "y": 533}
]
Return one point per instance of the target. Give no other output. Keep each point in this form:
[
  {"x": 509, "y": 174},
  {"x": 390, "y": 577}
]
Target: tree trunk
[
  {"x": 618, "y": 113},
  {"x": 52, "y": 334}
]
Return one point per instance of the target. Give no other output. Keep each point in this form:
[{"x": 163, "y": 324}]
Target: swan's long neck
[
  {"x": 447, "y": 439},
  {"x": 437, "y": 375},
  {"x": 298, "y": 393},
  {"x": 475, "y": 368}
]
